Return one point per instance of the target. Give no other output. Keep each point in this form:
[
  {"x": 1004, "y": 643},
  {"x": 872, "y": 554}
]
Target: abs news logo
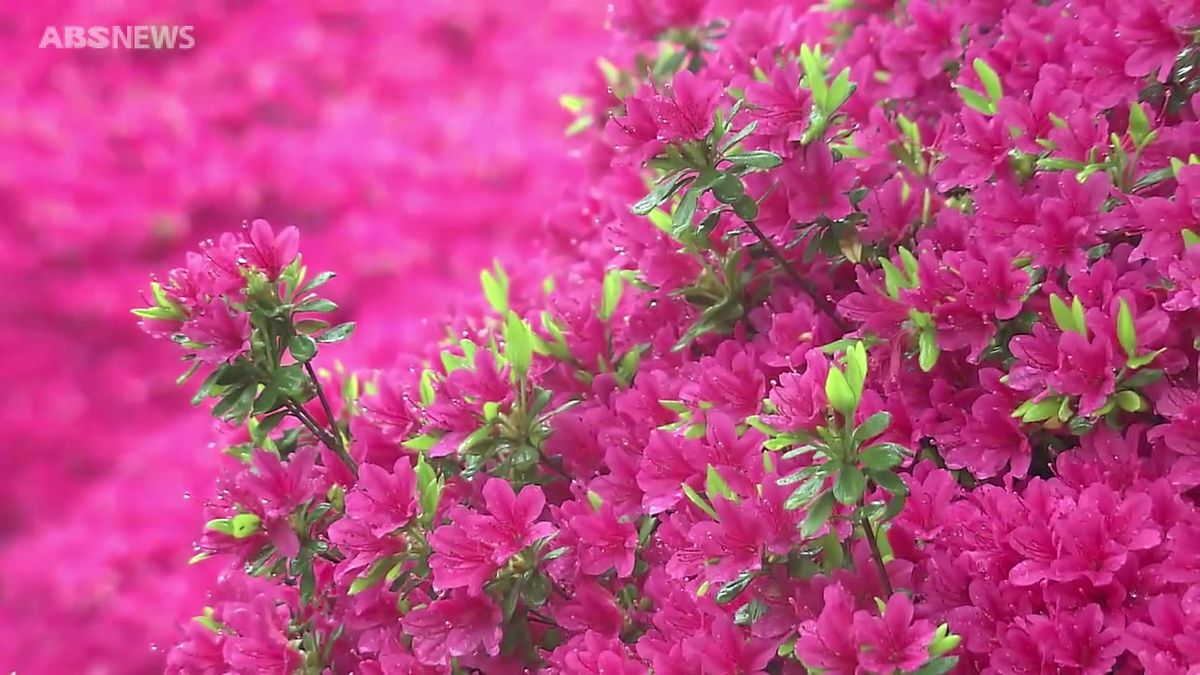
[{"x": 117, "y": 37}]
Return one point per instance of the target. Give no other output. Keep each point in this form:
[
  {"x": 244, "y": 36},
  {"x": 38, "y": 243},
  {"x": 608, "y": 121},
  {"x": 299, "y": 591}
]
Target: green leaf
[
  {"x": 695, "y": 498},
  {"x": 302, "y": 347},
  {"x": 734, "y": 588},
  {"x": 745, "y": 208},
  {"x": 814, "y": 74},
  {"x": 1145, "y": 359},
  {"x": 989, "y": 78},
  {"x": 928, "y": 350},
  {"x": 428, "y": 394},
  {"x": 893, "y": 279},
  {"x": 1153, "y": 178},
  {"x": 1062, "y": 314},
  {"x": 660, "y": 193},
  {"x": 266, "y": 402},
  {"x": 895, "y": 505},
  {"x": 685, "y": 213},
  {"x": 1190, "y": 238},
  {"x": 873, "y": 426},
  {"x": 518, "y": 344},
  {"x": 911, "y": 267},
  {"x": 222, "y": 525},
  {"x": 938, "y": 667},
  {"x": 840, "y": 91},
  {"x": 715, "y": 485},
  {"x": 316, "y": 282},
  {"x": 1080, "y": 319},
  {"x": 976, "y": 100},
  {"x": 890, "y": 482},
  {"x": 421, "y": 443},
  {"x": 849, "y": 485},
  {"x": 372, "y": 577},
  {"x": 155, "y": 313},
  {"x": 1143, "y": 378},
  {"x": 749, "y": 613},
  {"x": 611, "y": 294},
  {"x": 838, "y": 392},
  {"x": 1042, "y": 410},
  {"x": 317, "y": 305},
  {"x": 207, "y": 386},
  {"x": 555, "y": 554},
  {"x": 818, "y": 515},
  {"x": 495, "y": 288},
  {"x": 1130, "y": 401},
  {"x": 291, "y": 380},
  {"x": 236, "y": 404},
  {"x": 881, "y": 456},
  {"x": 1139, "y": 125},
  {"x": 429, "y": 488},
  {"x": 571, "y": 103},
  {"x": 1126, "y": 333},
  {"x": 337, "y": 333},
  {"x": 728, "y": 189},
  {"x": 756, "y": 159},
  {"x": 628, "y": 365},
  {"x": 739, "y": 136},
  {"x": 943, "y": 642},
  {"x": 310, "y": 326}
]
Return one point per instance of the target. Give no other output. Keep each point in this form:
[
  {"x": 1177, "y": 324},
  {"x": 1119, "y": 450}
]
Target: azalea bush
[
  {"x": 868, "y": 344},
  {"x": 358, "y": 121}
]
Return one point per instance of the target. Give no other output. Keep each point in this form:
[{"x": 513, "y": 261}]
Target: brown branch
[
  {"x": 807, "y": 286},
  {"x": 877, "y": 556}
]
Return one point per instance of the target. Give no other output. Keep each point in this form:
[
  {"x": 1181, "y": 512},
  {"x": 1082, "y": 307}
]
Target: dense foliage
[{"x": 868, "y": 345}]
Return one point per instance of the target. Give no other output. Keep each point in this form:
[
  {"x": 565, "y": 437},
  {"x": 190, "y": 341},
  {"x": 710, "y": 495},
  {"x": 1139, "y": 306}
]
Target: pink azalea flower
[
  {"x": 385, "y": 501},
  {"x": 830, "y": 641},
  {"x": 605, "y": 542},
  {"x": 725, "y": 649},
  {"x": 460, "y": 559},
  {"x": 259, "y": 643},
  {"x": 817, "y": 185},
  {"x": 685, "y": 112},
  {"x": 458, "y": 625},
  {"x": 512, "y": 521},
  {"x": 271, "y": 252},
  {"x": 224, "y": 333},
  {"x": 894, "y": 641},
  {"x": 1085, "y": 370}
]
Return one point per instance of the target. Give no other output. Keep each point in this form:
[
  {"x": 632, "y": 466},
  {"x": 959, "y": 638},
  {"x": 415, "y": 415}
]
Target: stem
[
  {"x": 878, "y": 557},
  {"x": 324, "y": 404},
  {"x": 545, "y": 461},
  {"x": 309, "y": 423},
  {"x": 821, "y": 301}
]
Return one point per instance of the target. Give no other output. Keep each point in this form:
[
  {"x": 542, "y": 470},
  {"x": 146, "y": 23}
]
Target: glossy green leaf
[
  {"x": 337, "y": 333},
  {"x": 989, "y": 78},
  {"x": 849, "y": 485},
  {"x": 1126, "y": 332},
  {"x": 818, "y": 515},
  {"x": 518, "y": 344},
  {"x": 873, "y": 426}
]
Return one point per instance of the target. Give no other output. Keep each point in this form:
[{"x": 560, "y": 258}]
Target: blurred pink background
[{"x": 410, "y": 141}]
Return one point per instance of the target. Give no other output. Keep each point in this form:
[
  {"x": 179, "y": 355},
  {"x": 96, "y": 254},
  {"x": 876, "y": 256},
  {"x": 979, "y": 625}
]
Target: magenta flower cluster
[{"x": 869, "y": 344}]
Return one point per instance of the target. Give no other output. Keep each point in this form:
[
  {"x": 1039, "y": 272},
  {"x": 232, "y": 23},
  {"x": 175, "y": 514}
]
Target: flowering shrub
[
  {"x": 357, "y": 121},
  {"x": 868, "y": 346}
]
